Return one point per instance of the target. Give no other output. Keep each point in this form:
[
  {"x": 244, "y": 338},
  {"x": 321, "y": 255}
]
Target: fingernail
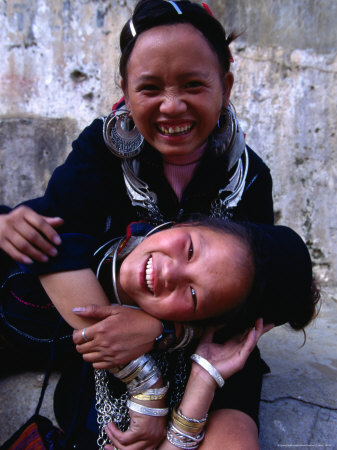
[
  {"x": 53, "y": 252},
  {"x": 44, "y": 258},
  {"x": 78, "y": 309},
  {"x": 57, "y": 240},
  {"x": 27, "y": 260}
]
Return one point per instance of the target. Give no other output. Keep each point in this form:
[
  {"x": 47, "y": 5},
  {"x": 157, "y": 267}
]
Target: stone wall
[{"x": 59, "y": 69}]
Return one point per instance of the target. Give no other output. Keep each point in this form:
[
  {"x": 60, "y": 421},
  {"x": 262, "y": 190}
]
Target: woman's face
[
  {"x": 174, "y": 89},
  {"x": 186, "y": 273}
]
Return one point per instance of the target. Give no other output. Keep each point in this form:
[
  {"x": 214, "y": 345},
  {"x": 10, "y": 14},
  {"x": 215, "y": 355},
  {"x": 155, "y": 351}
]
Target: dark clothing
[{"x": 88, "y": 192}]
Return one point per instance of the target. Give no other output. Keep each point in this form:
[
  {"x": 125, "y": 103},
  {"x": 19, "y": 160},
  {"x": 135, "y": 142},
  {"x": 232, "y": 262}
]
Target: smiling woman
[
  {"x": 171, "y": 147},
  {"x": 175, "y": 106},
  {"x": 187, "y": 273}
]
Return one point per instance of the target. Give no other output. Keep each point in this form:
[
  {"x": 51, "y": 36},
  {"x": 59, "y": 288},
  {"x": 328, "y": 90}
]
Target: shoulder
[{"x": 256, "y": 163}]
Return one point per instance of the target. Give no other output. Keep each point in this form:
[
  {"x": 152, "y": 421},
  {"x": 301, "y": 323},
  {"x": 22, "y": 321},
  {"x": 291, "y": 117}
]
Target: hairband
[
  {"x": 132, "y": 28},
  {"x": 175, "y": 6}
]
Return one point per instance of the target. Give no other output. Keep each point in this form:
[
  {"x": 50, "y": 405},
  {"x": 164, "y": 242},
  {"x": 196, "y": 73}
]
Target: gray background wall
[{"x": 58, "y": 72}]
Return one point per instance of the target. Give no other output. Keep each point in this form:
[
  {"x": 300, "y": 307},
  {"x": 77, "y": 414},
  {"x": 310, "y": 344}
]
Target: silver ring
[{"x": 84, "y": 336}]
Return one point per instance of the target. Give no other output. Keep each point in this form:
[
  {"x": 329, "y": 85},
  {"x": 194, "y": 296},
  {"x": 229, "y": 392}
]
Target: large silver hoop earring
[
  {"x": 224, "y": 133},
  {"x": 162, "y": 226},
  {"x": 121, "y": 135}
]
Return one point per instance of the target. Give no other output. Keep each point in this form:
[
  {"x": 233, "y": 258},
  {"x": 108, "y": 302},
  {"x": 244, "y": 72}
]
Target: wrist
[{"x": 167, "y": 337}]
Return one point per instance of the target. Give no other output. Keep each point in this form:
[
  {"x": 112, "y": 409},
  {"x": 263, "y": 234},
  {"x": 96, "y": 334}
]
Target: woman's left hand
[
  {"x": 144, "y": 433},
  {"x": 231, "y": 356},
  {"x": 120, "y": 335}
]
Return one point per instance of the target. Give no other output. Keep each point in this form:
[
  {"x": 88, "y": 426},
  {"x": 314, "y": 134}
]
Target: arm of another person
[
  {"x": 131, "y": 332},
  {"x": 26, "y": 235},
  {"x": 128, "y": 339},
  {"x": 201, "y": 387},
  {"x": 75, "y": 200}
]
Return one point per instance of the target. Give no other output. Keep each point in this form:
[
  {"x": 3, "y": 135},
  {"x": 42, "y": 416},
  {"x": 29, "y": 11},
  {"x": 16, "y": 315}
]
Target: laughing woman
[{"x": 173, "y": 146}]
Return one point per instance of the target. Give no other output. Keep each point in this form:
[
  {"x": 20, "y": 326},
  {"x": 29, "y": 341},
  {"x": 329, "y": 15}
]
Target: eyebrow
[{"x": 192, "y": 73}]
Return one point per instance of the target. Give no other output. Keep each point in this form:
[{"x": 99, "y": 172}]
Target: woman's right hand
[
  {"x": 26, "y": 235},
  {"x": 120, "y": 335},
  {"x": 230, "y": 357}
]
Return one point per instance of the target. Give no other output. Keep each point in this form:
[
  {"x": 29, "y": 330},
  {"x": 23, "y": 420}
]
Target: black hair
[
  {"x": 152, "y": 13},
  {"x": 283, "y": 289}
]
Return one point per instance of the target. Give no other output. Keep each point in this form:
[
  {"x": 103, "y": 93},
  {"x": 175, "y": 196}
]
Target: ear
[
  {"x": 228, "y": 82},
  {"x": 125, "y": 92}
]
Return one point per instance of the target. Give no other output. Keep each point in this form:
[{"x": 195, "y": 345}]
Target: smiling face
[
  {"x": 186, "y": 273},
  {"x": 174, "y": 88}
]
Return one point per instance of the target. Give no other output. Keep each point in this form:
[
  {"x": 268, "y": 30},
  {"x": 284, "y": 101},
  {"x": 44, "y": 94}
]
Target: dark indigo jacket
[{"x": 88, "y": 192}]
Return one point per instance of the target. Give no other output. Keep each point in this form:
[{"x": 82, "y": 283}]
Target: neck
[{"x": 184, "y": 160}]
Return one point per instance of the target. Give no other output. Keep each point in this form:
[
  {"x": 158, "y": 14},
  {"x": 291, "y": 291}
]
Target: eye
[
  {"x": 149, "y": 88},
  {"x": 190, "y": 251},
  {"x": 194, "y": 298},
  {"x": 193, "y": 84}
]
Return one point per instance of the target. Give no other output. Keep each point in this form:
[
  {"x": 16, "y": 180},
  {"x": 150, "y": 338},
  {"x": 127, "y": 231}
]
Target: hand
[
  {"x": 121, "y": 335},
  {"x": 231, "y": 356},
  {"x": 145, "y": 432},
  {"x": 26, "y": 235}
]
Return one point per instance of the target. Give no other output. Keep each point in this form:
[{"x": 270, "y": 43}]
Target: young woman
[
  {"x": 247, "y": 265},
  {"x": 175, "y": 74}
]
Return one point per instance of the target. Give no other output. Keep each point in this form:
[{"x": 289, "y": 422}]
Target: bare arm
[
  {"x": 71, "y": 289},
  {"x": 120, "y": 334}
]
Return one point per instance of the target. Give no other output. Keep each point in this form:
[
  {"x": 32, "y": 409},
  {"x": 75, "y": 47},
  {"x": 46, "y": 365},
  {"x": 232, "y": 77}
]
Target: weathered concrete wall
[{"x": 59, "y": 70}]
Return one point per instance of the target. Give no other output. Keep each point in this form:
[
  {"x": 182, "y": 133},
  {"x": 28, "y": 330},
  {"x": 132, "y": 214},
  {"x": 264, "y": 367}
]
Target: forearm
[
  {"x": 68, "y": 290},
  {"x": 197, "y": 399}
]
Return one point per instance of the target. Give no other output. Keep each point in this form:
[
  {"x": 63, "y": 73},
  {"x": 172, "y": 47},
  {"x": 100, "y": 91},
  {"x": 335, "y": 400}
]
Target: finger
[
  {"x": 268, "y": 327},
  {"x": 133, "y": 438},
  {"x": 54, "y": 221},
  {"x": 43, "y": 226},
  {"x": 83, "y": 336},
  {"x": 28, "y": 238},
  {"x": 15, "y": 254},
  {"x": 25, "y": 246},
  {"x": 96, "y": 311}
]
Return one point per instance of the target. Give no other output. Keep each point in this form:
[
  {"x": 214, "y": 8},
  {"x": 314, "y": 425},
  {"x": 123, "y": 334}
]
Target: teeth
[
  {"x": 174, "y": 130},
  {"x": 148, "y": 275}
]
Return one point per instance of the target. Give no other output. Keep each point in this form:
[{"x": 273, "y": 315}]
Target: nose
[
  {"x": 174, "y": 274},
  {"x": 172, "y": 104}
]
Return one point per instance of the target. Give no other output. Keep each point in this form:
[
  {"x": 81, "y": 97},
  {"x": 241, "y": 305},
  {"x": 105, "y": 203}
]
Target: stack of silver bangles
[
  {"x": 139, "y": 376},
  {"x": 184, "y": 432}
]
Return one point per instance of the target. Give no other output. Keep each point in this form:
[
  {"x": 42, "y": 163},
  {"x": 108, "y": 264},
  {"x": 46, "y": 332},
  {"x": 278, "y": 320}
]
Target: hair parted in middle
[{"x": 153, "y": 13}]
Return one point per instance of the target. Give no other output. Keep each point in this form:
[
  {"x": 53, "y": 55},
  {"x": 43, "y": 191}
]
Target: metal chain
[
  {"x": 109, "y": 408},
  {"x": 114, "y": 409}
]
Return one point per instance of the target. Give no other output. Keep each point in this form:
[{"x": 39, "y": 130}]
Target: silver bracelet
[
  {"x": 157, "y": 391},
  {"x": 203, "y": 420},
  {"x": 179, "y": 440},
  {"x": 197, "y": 438},
  {"x": 215, "y": 374},
  {"x": 131, "y": 367},
  {"x": 146, "y": 384},
  {"x": 141, "y": 409}
]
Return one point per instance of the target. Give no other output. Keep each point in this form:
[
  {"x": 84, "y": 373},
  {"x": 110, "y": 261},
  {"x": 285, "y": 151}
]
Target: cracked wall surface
[{"x": 60, "y": 65}]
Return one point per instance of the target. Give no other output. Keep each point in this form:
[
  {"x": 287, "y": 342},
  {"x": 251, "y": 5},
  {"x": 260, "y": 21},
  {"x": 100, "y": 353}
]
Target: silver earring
[
  {"x": 121, "y": 135},
  {"x": 227, "y": 138},
  {"x": 162, "y": 226},
  {"x": 224, "y": 133}
]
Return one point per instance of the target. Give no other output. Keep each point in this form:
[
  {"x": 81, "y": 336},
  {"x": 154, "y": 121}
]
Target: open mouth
[
  {"x": 149, "y": 275},
  {"x": 175, "y": 130}
]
